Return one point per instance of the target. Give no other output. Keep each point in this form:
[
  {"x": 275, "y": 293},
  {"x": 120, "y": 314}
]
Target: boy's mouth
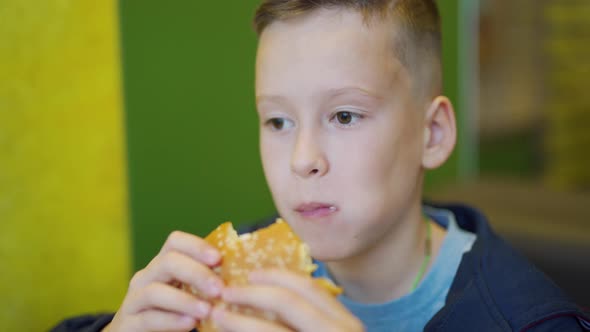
[{"x": 316, "y": 210}]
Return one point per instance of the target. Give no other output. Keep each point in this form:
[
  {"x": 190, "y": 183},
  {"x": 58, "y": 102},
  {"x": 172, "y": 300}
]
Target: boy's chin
[{"x": 330, "y": 252}]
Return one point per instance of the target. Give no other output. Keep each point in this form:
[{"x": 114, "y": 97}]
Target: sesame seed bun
[{"x": 275, "y": 246}]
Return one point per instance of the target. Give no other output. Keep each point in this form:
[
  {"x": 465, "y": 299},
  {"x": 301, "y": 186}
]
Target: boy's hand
[
  {"x": 299, "y": 302},
  {"x": 153, "y": 303}
]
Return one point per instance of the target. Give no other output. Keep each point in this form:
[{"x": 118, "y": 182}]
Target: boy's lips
[{"x": 316, "y": 210}]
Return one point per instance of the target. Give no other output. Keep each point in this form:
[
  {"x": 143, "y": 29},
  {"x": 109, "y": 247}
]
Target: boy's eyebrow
[
  {"x": 270, "y": 98},
  {"x": 331, "y": 93},
  {"x": 352, "y": 89}
]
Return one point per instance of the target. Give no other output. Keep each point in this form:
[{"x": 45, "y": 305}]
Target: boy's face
[{"x": 341, "y": 135}]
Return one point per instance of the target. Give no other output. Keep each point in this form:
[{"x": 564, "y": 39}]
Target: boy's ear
[{"x": 440, "y": 133}]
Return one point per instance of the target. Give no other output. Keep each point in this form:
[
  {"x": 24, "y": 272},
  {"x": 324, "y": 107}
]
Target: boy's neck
[{"x": 386, "y": 271}]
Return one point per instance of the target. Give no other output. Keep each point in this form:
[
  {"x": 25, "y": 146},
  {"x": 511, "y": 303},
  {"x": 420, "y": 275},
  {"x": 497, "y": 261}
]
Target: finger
[
  {"x": 160, "y": 321},
  {"x": 289, "y": 306},
  {"x": 174, "y": 266},
  {"x": 234, "y": 322},
  {"x": 167, "y": 298},
  {"x": 192, "y": 246},
  {"x": 304, "y": 286}
]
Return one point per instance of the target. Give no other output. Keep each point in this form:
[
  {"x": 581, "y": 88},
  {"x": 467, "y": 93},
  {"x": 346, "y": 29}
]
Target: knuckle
[
  {"x": 173, "y": 237},
  {"x": 136, "y": 279},
  {"x": 170, "y": 261}
]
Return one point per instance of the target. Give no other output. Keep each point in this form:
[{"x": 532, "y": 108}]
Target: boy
[{"x": 348, "y": 94}]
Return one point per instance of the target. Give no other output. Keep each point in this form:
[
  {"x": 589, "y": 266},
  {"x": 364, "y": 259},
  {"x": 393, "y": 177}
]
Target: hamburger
[{"x": 275, "y": 246}]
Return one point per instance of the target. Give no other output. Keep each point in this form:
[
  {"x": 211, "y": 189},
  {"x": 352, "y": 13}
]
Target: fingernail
[
  {"x": 203, "y": 309},
  {"x": 214, "y": 287},
  {"x": 212, "y": 256},
  {"x": 187, "y": 320}
]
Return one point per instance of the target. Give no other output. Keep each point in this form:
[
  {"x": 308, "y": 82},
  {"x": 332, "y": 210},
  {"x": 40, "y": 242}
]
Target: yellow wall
[{"x": 63, "y": 205}]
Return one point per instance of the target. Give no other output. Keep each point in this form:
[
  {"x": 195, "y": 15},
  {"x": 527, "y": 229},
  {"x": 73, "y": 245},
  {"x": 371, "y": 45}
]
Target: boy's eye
[
  {"x": 344, "y": 117},
  {"x": 278, "y": 123}
]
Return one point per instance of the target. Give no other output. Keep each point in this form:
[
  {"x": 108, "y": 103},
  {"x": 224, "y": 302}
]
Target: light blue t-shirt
[{"x": 412, "y": 311}]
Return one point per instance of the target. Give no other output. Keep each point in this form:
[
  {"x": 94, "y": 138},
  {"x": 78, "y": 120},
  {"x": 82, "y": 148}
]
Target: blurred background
[{"x": 121, "y": 121}]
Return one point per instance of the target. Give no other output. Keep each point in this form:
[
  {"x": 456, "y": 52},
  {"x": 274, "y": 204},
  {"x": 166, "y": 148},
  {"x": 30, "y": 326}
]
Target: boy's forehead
[{"x": 336, "y": 48}]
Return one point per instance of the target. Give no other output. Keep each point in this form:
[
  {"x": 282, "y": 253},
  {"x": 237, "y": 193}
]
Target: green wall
[{"x": 191, "y": 123}]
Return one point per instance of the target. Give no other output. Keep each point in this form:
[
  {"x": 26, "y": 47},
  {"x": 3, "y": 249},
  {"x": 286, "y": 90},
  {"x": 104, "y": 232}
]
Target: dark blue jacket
[{"x": 495, "y": 289}]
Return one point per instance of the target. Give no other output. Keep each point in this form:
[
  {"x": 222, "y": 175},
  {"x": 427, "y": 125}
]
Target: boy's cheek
[{"x": 276, "y": 164}]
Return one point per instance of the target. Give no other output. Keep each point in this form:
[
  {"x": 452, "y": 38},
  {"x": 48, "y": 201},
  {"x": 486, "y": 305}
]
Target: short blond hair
[{"x": 417, "y": 44}]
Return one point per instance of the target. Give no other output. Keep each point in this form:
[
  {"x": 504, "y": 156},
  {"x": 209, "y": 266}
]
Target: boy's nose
[{"x": 308, "y": 159}]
